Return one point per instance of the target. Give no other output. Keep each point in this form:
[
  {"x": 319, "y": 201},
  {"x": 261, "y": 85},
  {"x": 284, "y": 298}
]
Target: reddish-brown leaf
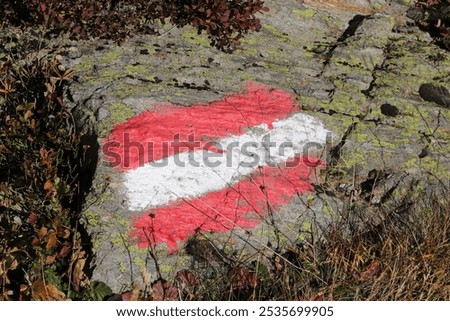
[
  {"x": 242, "y": 277},
  {"x": 187, "y": 279},
  {"x": 132, "y": 295},
  {"x": 371, "y": 271},
  {"x": 42, "y": 232},
  {"x": 164, "y": 291},
  {"x": 32, "y": 218},
  {"x": 65, "y": 250}
]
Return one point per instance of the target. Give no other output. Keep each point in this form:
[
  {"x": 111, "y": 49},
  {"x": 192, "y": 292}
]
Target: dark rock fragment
[
  {"x": 436, "y": 94},
  {"x": 389, "y": 110}
]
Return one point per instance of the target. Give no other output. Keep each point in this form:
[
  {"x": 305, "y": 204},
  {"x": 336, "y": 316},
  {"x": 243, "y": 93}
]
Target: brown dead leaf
[
  {"x": 32, "y": 218},
  {"x": 50, "y": 259},
  {"x": 79, "y": 261},
  {"x": 36, "y": 241},
  {"x": 56, "y": 223},
  {"x": 49, "y": 186},
  {"x": 42, "y": 232},
  {"x": 65, "y": 250},
  {"x": 371, "y": 271},
  {"x": 52, "y": 240},
  {"x": 64, "y": 233},
  {"x": 28, "y": 114},
  {"x": 4, "y": 188},
  {"x": 42, "y": 291}
]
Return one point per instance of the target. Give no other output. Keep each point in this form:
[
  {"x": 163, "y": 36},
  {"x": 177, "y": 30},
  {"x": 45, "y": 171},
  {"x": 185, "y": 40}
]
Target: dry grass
[{"x": 405, "y": 257}]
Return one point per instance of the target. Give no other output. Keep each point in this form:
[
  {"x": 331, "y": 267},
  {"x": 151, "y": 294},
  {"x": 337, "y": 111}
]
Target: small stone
[
  {"x": 425, "y": 152},
  {"x": 389, "y": 110},
  {"x": 436, "y": 94}
]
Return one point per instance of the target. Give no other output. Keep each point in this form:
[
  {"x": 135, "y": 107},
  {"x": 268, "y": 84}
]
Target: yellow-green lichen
[
  {"x": 85, "y": 65},
  {"x": 249, "y": 41},
  {"x": 344, "y": 103},
  {"x": 399, "y": 192},
  {"x": 301, "y": 14},
  {"x": 247, "y": 50},
  {"x": 109, "y": 57},
  {"x": 306, "y": 226},
  {"x": 278, "y": 67},
  {"x": 136, "y": 249},
  {"x": 106, "y": 196},
  {"x": 92, "y": 218},
  {"x": 166, "y": 268},
  {"x": 276, "y": 33},
  {"x": 353, "y": 157},
  {"x": 429, "y": 165},
  {"x": 272, "y": 234},
  {"x": 118, "y": 112},
  {"x": 310, "y": 199},
  {"x": 228, "y": 249},
  {"x": 377, "y": 6},
  {"x": 150, "y": 48},
  {"x": 244, "y": 75},
  {"x": 191, "y": 36},
  {"x": 305, "y": 230},
  {"x": 383, "y": 143},
  {"x": 419, "y": 190},
  {"x": 140, "y": 71},
  {"x": 139, "y": 262},
  {"x": 124, "y": 90},
  {"x": 326, "y": 209},
  {"x": 110, "y": 74},
  {"x": 105, "y": 75}
]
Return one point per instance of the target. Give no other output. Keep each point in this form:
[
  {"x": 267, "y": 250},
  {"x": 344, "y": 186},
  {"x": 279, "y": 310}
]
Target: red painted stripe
[
  {"x": 230, "y": 116},
  {"x": 266, "y": 189}
]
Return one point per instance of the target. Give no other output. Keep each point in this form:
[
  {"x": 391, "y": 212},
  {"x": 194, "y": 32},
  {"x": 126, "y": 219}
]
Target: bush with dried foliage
[
  {"x": 433, "y": 16},
  {"x": 225, "y": 22},
  {"x": 40, "y": 160}
]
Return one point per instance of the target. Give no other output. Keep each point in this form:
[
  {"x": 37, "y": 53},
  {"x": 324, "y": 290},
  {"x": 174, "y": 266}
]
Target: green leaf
[{"x": 97, "y": 291}]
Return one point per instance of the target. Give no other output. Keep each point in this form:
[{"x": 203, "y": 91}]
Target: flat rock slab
[{"x": 342, "y": 61}]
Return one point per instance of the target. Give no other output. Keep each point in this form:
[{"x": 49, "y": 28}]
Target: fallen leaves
[
  {"x": 242, "y": 278},
  {"x": 76, "y": 270},
  {"x": 132, "y": 295},
  {"x": 163, "y": 290},
  {"x": 188, "y": 283},
  {"x": 372, "y": 270},
  {"x": 187, "y": 279},
  {"x": 43, "y": 291}
]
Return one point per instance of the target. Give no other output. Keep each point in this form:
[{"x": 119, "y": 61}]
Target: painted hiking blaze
[{"x": 214, "y": 167}]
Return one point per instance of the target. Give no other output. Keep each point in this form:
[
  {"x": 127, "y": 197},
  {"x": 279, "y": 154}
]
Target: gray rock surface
[{"x": 342, "y": 60}]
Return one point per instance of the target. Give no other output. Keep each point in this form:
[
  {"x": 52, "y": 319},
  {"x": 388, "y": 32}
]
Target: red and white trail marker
[{"x": 214, "y": 167}]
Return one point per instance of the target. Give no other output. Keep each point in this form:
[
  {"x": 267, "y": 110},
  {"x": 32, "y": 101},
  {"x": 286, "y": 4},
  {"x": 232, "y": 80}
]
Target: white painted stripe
[{"x": 152, "y": 185}]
